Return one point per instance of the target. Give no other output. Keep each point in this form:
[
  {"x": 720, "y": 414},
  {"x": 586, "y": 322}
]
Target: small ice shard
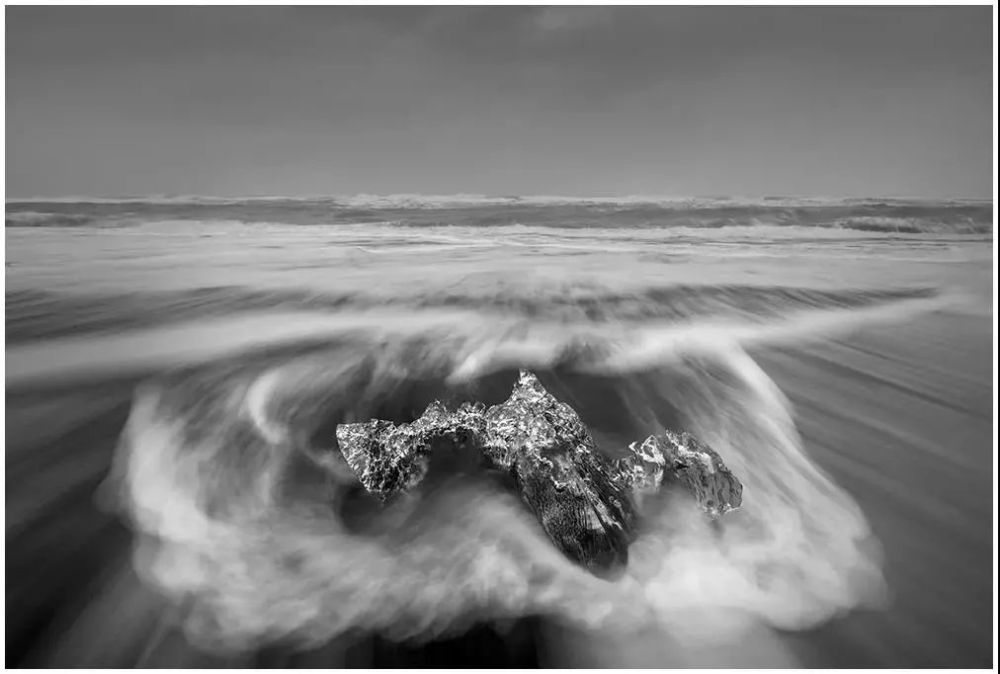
[
  {"x": 583, "y": 501},
  {"x": 681, "y": 459}
]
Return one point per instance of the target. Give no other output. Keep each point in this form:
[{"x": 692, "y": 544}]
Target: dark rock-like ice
[{"x": 584, "y": 501}]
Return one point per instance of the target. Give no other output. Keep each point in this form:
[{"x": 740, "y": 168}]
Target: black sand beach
[{"x": 899, "y": 415}]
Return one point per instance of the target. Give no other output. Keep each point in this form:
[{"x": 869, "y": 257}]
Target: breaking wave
[
  {"x": 882, "y": 216},
  {"x": 40, "y": 219}
]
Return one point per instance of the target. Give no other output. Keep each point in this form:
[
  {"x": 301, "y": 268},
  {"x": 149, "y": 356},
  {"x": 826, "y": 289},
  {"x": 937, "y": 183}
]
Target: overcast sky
[{"x": 573, "y": 101}]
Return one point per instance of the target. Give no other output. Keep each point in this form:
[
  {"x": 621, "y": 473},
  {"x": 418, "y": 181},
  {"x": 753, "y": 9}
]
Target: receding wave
[
  {"x": 250, "y": 520},
  {"x": 228, "y": 467},
  {"x": 34, "y": 314}
]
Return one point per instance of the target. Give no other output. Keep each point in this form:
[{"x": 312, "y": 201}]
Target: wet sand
[{"x": 900, "y": 416}]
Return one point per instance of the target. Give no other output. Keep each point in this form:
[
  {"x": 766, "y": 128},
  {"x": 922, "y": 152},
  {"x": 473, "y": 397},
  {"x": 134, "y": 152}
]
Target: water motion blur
[{"x": 177, "y": 367}]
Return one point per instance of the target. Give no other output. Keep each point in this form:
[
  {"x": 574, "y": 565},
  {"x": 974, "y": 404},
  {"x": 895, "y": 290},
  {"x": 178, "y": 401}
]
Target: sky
[{"x": 588, "y": 101}]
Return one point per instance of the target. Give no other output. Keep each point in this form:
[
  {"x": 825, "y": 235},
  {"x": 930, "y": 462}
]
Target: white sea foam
[
  {"x": 234, "y": 523},
  {"x": 475, "y": 341},
  {"x": 261, "y": 555}
]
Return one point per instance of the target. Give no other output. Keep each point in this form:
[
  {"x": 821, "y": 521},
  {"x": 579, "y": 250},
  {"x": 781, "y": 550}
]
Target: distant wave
[
  {"x": 890, "y": 216},
  {"x": 43, "y": 219}
]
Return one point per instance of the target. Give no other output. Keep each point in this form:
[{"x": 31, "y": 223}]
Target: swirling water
[{"x": 249, "y": 336}]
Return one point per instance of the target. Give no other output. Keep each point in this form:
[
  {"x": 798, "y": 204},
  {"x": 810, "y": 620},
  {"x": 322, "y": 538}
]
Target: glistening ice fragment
[{"x": 584, "y": 502}]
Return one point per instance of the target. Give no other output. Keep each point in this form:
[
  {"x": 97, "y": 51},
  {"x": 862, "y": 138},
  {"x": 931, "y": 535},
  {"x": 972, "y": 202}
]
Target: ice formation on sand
[{"x": 585, "y": 502}]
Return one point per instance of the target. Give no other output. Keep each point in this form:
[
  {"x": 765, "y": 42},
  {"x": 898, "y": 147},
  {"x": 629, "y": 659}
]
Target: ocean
[{"x": 176, "y": 367}]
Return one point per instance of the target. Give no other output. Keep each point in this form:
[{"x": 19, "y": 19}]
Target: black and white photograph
[{"x": 500, "y": 336}]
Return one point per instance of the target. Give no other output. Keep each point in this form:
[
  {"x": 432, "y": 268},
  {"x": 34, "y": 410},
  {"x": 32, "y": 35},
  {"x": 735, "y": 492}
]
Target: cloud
[{"x": 570, "y": 19}]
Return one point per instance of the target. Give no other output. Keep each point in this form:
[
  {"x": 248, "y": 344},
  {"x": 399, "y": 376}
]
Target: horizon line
[{"x": 478, "y": 197}]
